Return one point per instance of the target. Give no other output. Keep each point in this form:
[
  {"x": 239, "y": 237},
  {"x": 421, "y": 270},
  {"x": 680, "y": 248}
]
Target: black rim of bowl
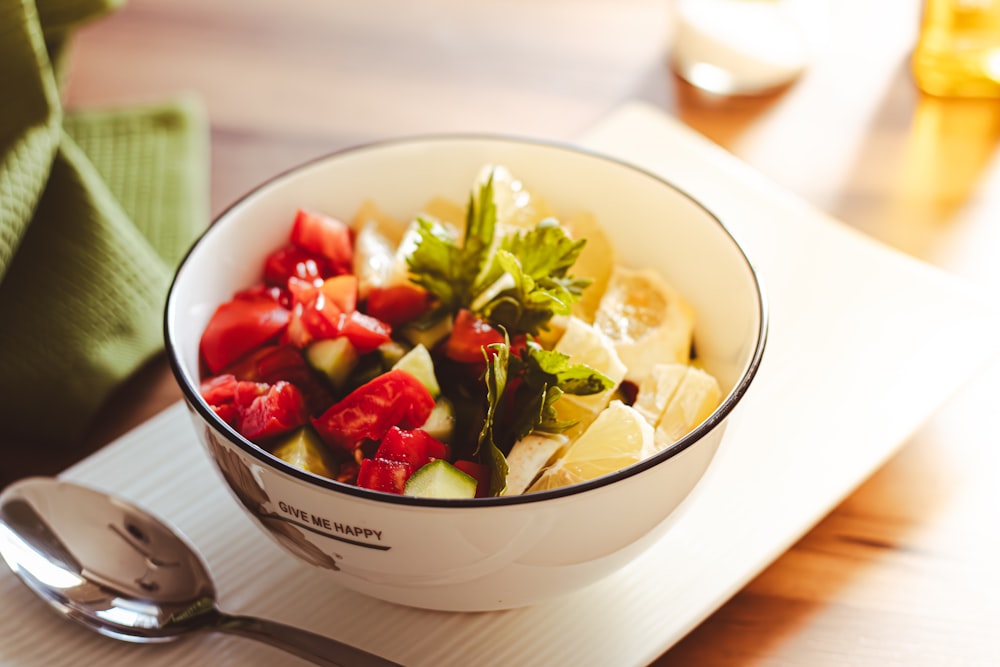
[{"x": 729, "y": 402}]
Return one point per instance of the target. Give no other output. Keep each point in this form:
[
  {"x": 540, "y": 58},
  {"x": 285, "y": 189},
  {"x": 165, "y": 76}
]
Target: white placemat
[{"x": 865, "y": 344}]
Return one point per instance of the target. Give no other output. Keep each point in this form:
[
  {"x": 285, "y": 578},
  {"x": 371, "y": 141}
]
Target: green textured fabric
[{"x": 96, "y": 209}]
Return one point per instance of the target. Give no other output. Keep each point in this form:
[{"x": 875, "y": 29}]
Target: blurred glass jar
[
  {"x": 958, "y": 51},
  {"x": 737, "y": 47}
]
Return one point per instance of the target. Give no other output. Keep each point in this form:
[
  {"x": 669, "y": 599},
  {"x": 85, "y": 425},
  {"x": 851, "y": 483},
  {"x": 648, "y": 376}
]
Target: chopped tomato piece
[
  {"x": 469, "y": 335},
  {"x": 364, "y": 331},
  {"x": 396, "y": 398},
  {"x": 283, "y": 362},
  {"x": 292, "y": 261},
  {"x": 218, "y": 390},
  {"x": 268, "y": 410},
  {"x": 326, "y": 236},
  {"x": 398, "y": 304},
  {"x": 415, "y": 446},
  {"x": 328, "y": 311},
  {"x": 383, "y": 475},
  {"x": 279, "y": 295},
  {"x": 342, "y": 291},
  {"x": 228, "y": 412},
  {"x": 314, "y": 316},
  {"x": 301, "y": 291},
  {"x": 479, "y": 472},
  {"x": 239, "y": 326}
]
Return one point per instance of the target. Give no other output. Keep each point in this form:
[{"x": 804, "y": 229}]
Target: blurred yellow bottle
[{"x": 958, "y": 52}]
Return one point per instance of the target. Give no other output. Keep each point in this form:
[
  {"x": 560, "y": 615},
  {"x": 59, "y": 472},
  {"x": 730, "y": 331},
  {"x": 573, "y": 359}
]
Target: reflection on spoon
[{"x": 125, "y": 574}]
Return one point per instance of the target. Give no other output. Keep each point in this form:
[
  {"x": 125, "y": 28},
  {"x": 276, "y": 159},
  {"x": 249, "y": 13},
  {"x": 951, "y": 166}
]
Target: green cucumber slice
[
  {"x": 427, "y": 336},
  {"x": 304, "y": 449},
  {"x": 333, "y": 357},
  {"x": 441, "y": 421},
  {"x": 440, "y": 479},
  {"x": 391, "y": 352},
  {"x": 418, "y": 363}
]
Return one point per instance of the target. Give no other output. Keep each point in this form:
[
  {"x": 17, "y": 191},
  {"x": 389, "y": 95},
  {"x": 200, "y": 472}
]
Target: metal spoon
[{"x": 122, "y": 572}]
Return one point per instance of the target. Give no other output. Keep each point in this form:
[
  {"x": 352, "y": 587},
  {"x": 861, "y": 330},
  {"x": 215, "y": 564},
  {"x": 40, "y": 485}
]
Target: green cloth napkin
[{"x": 96, "y": 210}]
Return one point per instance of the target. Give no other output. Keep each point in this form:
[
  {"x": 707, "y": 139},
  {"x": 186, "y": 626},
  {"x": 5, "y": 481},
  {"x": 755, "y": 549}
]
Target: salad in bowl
[
  {"x": 453, "y": 355},
  {"x": 464, "y": 372}
]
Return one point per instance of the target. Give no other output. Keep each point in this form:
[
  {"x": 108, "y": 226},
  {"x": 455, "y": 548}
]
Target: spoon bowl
[{"x": 124, "y": 573}]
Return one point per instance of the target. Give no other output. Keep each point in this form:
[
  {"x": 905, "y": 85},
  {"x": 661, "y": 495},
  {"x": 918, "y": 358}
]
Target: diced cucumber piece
[
  {"x": 334, "y": 357},
  {"x": 427, "y": 336},
  {"x": 391, "y": 352},
  {"x": 440, "y": 479},
  {"x": 304, "y": 449},
  {"x": 418, "y": 363},
  {"x": 441, "y": 422}
]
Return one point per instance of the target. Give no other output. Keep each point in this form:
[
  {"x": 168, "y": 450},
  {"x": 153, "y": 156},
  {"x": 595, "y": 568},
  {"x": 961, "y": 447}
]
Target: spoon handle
[{"x": 306, "y": 645}]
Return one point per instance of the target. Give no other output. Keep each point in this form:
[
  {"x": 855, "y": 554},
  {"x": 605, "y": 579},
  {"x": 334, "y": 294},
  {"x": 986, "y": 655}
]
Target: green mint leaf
[
  {"x": 436, "y": 263},
  {"x": 545, "y": 251},
  {"x": 446, "y": 268},
  {"x": 488, "y": 451},
  {"x": 546, "y": 375},
  {"x": 531, "y": 268},
  {"x": 555, "y": 367}
]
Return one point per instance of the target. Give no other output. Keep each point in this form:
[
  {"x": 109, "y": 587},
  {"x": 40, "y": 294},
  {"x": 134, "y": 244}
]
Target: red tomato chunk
[
  {"x": 412, "y": 446},
  {"x": 239, "y": 326},
  {"x": 400, "y": 454},
  {"x": 257, "y": 410},
  {"x": 272, "y": 363},
  {"x": 326, "y": 236},
  {"x": 291, "y": 261},
  {"x": 395, "y": 398},
  {"x": 269, "y": 410},
  {"x": 329, "y": 310},
  {"x": 469, "y": 335},
  {"x": 383, "y": 475},
  {"x": 398, "y": 303}
]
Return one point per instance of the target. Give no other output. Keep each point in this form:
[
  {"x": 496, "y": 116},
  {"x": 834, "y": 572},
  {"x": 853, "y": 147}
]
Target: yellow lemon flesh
[
  {"x": 596, "y": 261},
  {"x": 675, "y": 398},
  {"x": 528, "y": 457},
  {"x": 584, "y": 344},
  {"x": 646, "y": 319},
  {"x": 618, "y": 438},
  {"x": 696, "y": 398},
  {"x": 517, "y": 207}
]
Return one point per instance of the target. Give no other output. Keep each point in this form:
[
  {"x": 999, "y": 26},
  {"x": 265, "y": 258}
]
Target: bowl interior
[{"x": 650, "y": 223}]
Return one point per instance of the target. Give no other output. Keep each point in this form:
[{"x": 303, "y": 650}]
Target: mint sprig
[
  {"x": 527, "y": 281},
  {"x": 535, "y": 265},
  {"x": 447, "y": 268},
  {"x": 521, "y": 391}
]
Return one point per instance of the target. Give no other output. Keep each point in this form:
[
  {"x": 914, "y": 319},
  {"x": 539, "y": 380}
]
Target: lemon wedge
[
  {"x": 528, "y": 457},
  {"x": 596, "y": 261},
  {"x": 517, "y": 206},
  {"x": 646, "y": 319},
  {"x": 374, "y": 246},
  {"x": 697, "y": 395},
  {"x": 369, "y": 214},
  {"x": 657, "y": 389},
  {"x": 618, "y": 438},
  {"x": 584, "y": 344}
]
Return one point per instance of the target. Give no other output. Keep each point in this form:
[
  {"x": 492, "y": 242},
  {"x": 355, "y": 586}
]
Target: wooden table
[{"x": 901, "y": 572}]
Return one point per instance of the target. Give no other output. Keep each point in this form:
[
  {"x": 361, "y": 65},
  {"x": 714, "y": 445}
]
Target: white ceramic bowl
[{"x": 488, "y": 553}]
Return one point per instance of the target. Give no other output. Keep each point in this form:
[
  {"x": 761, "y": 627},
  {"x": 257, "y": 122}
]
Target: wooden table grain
[{"x": 903, "y": 572}]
